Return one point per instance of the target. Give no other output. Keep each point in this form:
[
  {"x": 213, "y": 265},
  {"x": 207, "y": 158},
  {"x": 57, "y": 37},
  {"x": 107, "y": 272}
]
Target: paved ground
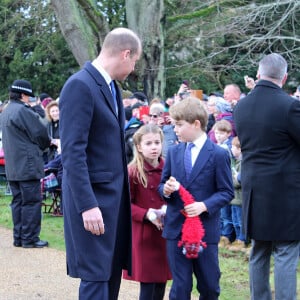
[{"x": 30, "y": 274}]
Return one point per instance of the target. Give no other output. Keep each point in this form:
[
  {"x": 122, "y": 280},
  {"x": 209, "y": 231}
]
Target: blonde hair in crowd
[
  {"x": 138, "y": 159},
  {"x": 48, "y": 107},
  {"x": 189, "y": 109}
]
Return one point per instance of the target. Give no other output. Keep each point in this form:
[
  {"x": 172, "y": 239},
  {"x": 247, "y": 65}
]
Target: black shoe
[
  {"x": 38, "y": 244},
  {"x": 17, "y": 244}
]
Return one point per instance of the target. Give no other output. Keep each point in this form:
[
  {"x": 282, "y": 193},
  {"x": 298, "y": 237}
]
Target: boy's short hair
[
  {"x": 236, "y": 142},
  {"x": 189, "y": 109},
  {"x": 223, "y": 125}
]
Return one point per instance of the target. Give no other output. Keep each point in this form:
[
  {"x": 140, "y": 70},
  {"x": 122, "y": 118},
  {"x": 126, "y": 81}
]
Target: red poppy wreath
[{"x": 192, "y": 229}]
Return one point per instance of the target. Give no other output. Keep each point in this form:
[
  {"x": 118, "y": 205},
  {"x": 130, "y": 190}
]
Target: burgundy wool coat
[{"x": 149, "y": 254}]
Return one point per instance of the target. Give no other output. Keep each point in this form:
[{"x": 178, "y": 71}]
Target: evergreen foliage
[
  {"x": 209, "y": 43},
  {"x": 213, "y": 43},
  {"x": 32, "y": 47}
]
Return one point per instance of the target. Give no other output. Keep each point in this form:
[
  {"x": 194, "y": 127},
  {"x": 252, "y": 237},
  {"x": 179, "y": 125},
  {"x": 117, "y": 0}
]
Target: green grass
[
  {"x": 234, "y": 275},
  {"x": 52, "y": 227},
  {"x": 234, "y": 266}
]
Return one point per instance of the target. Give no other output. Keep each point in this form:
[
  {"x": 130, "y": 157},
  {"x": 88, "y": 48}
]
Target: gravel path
[{"x": 30, "y": 274}]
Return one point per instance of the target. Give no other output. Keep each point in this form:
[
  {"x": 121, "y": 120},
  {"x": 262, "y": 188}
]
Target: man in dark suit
[
  {"x": 210, "y": 182},
  {"x": 95, "y": 180},
  {"x": 268, "y": 126}
]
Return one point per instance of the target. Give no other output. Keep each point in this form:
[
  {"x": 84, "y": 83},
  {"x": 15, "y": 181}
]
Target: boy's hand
[
  {"x": 171, "y": 186},
  {"x": 195, "y": 209}
]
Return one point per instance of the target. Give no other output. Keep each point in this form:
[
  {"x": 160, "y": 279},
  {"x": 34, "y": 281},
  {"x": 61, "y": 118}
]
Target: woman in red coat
[{"x": 149, "y": 259}]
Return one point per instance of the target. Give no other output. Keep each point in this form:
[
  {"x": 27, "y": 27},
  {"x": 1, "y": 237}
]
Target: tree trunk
[
  {"x": 76, "y": 30},
  {"x": 146, "y": 18},
  {"x": 83, "y": 30}
]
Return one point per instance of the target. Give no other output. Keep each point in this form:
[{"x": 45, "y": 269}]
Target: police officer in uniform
[{"x": 24, "y": 138}]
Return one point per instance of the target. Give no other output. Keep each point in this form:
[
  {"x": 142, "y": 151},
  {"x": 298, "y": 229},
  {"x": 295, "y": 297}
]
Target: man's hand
[
  {"x": 195, "y": 209},
  {"x": 93, "y": 221},
  {"x": 249, "y": 82}
]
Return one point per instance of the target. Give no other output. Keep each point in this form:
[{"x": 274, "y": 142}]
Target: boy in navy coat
[{"x": 210, "y": 183}]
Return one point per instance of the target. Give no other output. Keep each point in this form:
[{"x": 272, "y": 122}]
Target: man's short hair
[
  {"x": 273, "y": 66},
  {"x": 120, "y": 39}
]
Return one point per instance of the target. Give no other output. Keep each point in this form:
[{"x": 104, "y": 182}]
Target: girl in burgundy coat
[{"x": 149, "y": 259}]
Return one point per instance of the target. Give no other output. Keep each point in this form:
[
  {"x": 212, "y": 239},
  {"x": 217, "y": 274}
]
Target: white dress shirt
[
  {"x": 199, "y": 142},
  {"x": 106, "y": 76}
]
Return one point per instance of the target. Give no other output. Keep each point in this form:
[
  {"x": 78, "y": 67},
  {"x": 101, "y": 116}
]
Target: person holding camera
[{"x": 160, "y": 118}]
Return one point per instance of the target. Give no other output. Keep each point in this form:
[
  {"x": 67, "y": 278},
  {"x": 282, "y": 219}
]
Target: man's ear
[
  {"x": 258, "y": 75},
  {"x": 284, "y": 79},
  {"x": 126, "y": 54}
]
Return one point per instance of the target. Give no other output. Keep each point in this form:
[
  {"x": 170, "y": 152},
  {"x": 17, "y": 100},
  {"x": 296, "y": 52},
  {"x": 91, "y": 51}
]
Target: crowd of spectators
[{"x": 44, "y": 139}]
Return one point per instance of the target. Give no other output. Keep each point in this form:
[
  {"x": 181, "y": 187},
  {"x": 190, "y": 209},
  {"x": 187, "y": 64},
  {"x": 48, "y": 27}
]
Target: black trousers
[
  {"x": 152, "y": 291},
  {"x": 26, "y": 210}
]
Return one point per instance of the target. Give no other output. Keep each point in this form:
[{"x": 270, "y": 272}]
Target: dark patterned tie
[
  {"x": 188, "y": 160},
  {"x": 114, "y": 94}
]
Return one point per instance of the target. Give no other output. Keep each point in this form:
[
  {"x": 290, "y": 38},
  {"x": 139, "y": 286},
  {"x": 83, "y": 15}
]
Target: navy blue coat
[
  {"x": 268, "y": 126},
  {"x": 210, "y": 181},
  {"x": 94, "y": 175}
]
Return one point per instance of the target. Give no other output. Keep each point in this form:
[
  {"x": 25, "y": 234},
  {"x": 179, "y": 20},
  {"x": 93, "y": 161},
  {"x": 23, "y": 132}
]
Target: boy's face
[
  {"x": 236, "y": 151},
  {"x": 187, "y": 132},
  {"x": 221, "y": 136}
]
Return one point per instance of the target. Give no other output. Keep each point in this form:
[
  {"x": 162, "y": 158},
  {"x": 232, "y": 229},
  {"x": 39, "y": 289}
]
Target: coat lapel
[
  {"x": 179, "y": 163},
  {"x": 201, "y": 160},
  {"x": 103, "y": 87}
]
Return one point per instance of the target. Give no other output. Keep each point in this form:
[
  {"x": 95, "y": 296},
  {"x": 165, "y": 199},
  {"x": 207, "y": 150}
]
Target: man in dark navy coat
[
  {"x": 268, "y": 126},
  {"x": 97, "y": 217}
]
